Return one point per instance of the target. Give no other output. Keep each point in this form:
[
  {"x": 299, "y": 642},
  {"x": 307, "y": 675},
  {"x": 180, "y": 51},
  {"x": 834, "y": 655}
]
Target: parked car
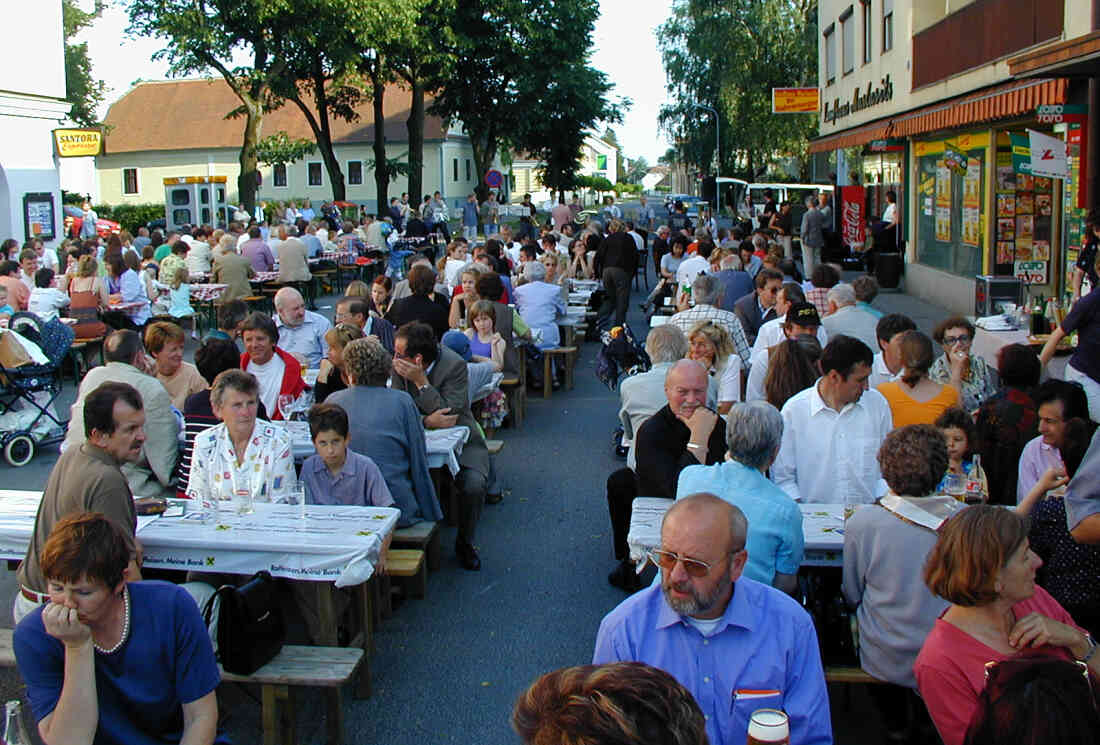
[{"x": 74, "y": 219}]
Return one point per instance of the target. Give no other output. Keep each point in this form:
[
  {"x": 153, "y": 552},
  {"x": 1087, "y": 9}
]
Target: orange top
[{"x": 907, "y": 410}]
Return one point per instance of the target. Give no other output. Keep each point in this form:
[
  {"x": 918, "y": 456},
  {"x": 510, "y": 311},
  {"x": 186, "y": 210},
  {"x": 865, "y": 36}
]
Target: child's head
[
  {"x": 958, "y": 429},
  {"x": 181, "y": 277},
  {"x": 43, "y": 277},
  {"x": 482, "y": 316},
  {"x": 328, "y": 426}
]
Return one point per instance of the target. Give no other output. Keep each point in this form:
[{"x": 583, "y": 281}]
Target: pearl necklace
[{"x": 125, "y": 626}]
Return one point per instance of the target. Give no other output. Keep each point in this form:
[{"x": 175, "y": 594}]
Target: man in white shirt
[
  {"x": 46, "y": 299},
  {"x": 887, "y": 364},
  {"x": 846, "y": 317},
  {"x": 801, "y": 319},
  {"x": 832, "y": 432},
  {"x": 638, "y": 239},
  {"x": 47, "y": 259},
  {"x": 301, "y": 332},
  {"x": 692, "y": 266},
  {"x": 771, "y": 333}
]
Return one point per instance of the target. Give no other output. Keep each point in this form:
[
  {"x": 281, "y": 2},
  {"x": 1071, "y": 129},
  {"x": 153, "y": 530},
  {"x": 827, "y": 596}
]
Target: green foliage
[
  {"x": 394, "y": 166},
  {"x": 82, "y": 90},
  {"x": 639, "y": 167},
  {"x": 730, "y": 55},
  {"x": 131, "y": 216},
  {"x": 627, "y": 188},
  {"x": 279, "y": 149}
]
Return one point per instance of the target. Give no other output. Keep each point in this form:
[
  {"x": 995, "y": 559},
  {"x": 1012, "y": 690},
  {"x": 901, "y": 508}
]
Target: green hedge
[{"x": 131, "y": 216}]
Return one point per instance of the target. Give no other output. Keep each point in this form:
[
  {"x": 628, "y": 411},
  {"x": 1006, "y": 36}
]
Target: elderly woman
[
  {"x": 463, "y": 301},
  {"x": 775, "y": 538},
  {"x": 540, "y": 304},
  {"x": 242, "y": 454},
  {"x": 164, "y": 341},
  {"x": 1008, "y": 421},
  {"x": 712, "y": 347},
  {"x": 969, "y": 374},
  {"x": 104, "y": 660},
  {"x": 386, "y": 427},
  {"x": 332, "y": 377},
  {"x": 883, "y": 554},
  {"x": 915, "y": 398},
  {"x": 983, "y": 565}
]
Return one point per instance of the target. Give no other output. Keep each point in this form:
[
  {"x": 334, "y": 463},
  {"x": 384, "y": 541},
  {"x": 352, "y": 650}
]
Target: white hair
[{"x": 841, "y": 294}]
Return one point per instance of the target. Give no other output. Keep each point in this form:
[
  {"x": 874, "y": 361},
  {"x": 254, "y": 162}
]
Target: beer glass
[{"x": 769, "y": 727}]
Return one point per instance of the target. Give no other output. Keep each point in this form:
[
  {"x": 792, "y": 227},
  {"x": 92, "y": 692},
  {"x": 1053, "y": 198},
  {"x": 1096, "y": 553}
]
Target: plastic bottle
[{"x": 14, "y": 731}]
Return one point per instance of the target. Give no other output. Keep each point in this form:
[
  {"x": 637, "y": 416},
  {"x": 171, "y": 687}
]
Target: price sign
[{"x": 1031, "y": 272}]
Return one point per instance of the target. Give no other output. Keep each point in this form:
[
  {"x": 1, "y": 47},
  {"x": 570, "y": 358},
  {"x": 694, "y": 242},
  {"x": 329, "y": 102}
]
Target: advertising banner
[
  {"x": 795, "y": 100},
  {"x": 853, "y": 225}
]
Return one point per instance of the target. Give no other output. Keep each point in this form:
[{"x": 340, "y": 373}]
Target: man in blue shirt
[
  {"x": 301, "y": 332},
  {"x": 775, "y": 540},
  {"x": 736, "y": 644}
]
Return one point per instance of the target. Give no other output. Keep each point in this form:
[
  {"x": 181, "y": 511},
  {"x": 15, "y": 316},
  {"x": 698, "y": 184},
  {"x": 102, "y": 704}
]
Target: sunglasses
[{"x": 667, "y": 560}]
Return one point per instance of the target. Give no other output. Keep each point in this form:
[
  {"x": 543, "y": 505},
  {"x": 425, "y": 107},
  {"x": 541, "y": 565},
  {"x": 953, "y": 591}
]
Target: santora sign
[{"x": 861, "y": 99}]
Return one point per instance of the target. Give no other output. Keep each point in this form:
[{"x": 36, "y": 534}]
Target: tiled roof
[{"x": 190, "y": 114}]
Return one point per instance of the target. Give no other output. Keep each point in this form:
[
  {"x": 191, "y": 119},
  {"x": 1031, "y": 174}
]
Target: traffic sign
[{"x": 494, "y": 178}]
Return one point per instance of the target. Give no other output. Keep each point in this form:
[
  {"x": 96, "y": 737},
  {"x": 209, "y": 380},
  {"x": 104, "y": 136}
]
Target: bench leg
[
  {"x": 334, "y": 716},
  {"x": 570, "y": 360},
  {"x": 278, "y": 715},
  {"x": 366, "y": 613},
  {"x": 547, "y": 376}
]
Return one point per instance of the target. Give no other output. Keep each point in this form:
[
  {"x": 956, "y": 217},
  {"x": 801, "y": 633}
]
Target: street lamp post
[{"x": 717, "y": 136}]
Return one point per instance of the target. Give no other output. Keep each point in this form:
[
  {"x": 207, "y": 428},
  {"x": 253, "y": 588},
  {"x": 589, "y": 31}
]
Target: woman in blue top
[{"x": 106, "y": 661}]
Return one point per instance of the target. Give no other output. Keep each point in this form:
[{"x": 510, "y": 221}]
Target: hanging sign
[
  {"x": 78, "y": 143},
  {"x": 795, "y": 100},
  {"x": 1048, "y": 155},
  {"x": 1031, "y": 272}
]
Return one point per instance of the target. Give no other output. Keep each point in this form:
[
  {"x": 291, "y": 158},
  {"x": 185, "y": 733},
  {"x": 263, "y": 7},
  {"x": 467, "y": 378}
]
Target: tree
[
  {"x": 639, "y": 167},
  {"x": 279, "y": 149},
  {"x": 82, "y": 90},
  {"x": 500, "y": 81},
  {"x": 730, "y": 55},
  {"x": 204, "y": 35}
]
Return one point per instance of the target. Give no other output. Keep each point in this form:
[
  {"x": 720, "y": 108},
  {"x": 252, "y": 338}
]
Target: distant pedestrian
[{"x": 469, "y": 218}]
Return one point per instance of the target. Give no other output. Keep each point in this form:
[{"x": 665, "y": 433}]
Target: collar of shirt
[
  {"x": 817, "y": 403},
  {"x": 737, "y": 613},
  {"x": 348, "y": 469},
  {"x": 761, "y": 308}
]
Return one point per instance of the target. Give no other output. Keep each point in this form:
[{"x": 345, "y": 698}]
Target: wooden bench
[
  {"x": 515, "y": 389},
  {"x": 424, "y": 536},
  {"x": 568, "y": 357},
  {"x": 409, "y": 568},
  {"x": 294, "y": 666},
  {"x": 840, "y": 674}
]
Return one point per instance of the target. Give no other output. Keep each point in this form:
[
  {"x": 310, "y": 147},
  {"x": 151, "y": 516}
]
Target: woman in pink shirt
[{"x": 983, "y": 565}]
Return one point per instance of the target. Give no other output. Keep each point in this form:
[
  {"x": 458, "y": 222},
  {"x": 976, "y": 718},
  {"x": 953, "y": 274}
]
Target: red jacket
[{"x": 293, "y": 384}]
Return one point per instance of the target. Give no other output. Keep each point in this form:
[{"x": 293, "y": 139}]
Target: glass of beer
[{"x": 769, "y": 727}]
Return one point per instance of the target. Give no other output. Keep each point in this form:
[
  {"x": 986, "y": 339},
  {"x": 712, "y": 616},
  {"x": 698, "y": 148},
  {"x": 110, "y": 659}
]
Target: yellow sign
[
  {"x": 795, "y": 100},
  {"x": 176, "y": 180},
  {"x": 78, "y": 143}
]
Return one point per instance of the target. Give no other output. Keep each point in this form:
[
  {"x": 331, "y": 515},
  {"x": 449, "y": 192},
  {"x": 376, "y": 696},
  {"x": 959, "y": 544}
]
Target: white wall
[{"x": 34, "y": 58}]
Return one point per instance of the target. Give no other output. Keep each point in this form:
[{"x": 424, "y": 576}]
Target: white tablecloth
[
  {"x": 822, "y": 528},
  {"x": 988, "y": 343},
  {"x": 444, "y": 445},
  {"x": 333, "y": 544}
]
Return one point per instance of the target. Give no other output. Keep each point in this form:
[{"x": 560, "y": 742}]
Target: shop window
[
  {"x": 867, "y": 24},
  {"x": 314, "y": 174},
  {"x": 887, "y": 25},
  {"x": 455, "y": 163},
  {"x": 830, "y": 54},
  {"x": 130, "y": 181},
  {"x": 951, "y": 204},
  {"x": 278, "y": 175},
  {"x": 847, "y": 40},
  {"x": 355, "y": 172},
  {"x": 468, "y": 172}
]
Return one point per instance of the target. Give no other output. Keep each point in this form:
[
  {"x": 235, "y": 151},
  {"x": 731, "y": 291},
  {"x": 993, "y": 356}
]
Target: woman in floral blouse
[{"x": 970, "y": 375}]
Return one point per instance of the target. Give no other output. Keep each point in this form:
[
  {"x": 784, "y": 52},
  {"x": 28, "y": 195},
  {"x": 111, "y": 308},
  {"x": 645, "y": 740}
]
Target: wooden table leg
[{"x": 366, "y": 637}]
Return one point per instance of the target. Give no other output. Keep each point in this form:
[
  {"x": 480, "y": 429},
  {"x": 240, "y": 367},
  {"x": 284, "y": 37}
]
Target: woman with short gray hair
[
  {"x": 775, "y": 540},
  {"x": 540, "y": 304}
]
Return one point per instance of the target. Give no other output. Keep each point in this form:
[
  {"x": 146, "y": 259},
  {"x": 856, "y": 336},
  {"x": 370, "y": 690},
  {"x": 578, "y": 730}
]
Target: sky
[{"x": 624, "y": 47}]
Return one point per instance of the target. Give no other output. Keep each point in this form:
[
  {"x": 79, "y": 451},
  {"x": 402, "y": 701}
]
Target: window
[
  {"x": 867, "y": 23},
  {"x": 830, "y": 54},
  {"x": 315, "y": 174},
  {"x": 355, "y": 172},
  {"x": 887, "y": 25},
  {"x": 129, "y": 181},
  {"x": 278, "y": 175},
  {"x": 468, "y": 174},
  {"x": 456, "y": 169},
  {"x": 848, "y": 40}
]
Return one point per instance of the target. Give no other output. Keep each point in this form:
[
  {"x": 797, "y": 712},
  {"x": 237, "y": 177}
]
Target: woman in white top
[
  {"x": 712, "y": 347},
  {"x": 133, "y": 289}
]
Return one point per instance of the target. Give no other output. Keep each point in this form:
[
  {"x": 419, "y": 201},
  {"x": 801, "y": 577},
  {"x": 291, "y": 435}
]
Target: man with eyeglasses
[
  {"x": 355, "y": 312},
  {"x": 736, "y": 644}
]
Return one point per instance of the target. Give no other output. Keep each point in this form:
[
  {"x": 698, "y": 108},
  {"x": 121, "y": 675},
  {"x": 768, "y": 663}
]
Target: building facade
[
  {"x": 32, "y": 105},
  {"x": 598, "y": 159},
  {"x": 175, "y": 129},
  {"x": 919, "y": 97}
]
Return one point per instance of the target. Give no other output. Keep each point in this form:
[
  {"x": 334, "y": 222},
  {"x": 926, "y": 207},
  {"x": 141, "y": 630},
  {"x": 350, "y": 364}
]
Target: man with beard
[{"x": 736, "y": 644}]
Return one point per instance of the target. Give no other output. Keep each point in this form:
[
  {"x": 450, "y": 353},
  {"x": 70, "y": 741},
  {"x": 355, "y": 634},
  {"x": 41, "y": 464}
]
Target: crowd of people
[{"x": 766, "y": 389}]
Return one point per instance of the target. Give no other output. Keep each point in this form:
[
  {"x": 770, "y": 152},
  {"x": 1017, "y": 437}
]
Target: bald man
[
  {"x": 301, "y": 332},
  {"x": 736, "y": 644},
  {"x": 685, "y": 432}
]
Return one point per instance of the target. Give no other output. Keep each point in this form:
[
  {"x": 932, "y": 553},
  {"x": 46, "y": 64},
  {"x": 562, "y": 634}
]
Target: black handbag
[{"x": 250, "y": 629}]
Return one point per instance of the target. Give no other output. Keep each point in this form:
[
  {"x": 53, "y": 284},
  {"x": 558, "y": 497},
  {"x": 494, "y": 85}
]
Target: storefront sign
[
  {"x": 1021, "y": 152},
  {"x": 853, "y": 222},
  {"x": 1031, "y": 272},
  {"x": 885, "y": 146},
  {"x": 78, "y": 143},
  {"x": 1048, "y": 155},
  {"x": 795, "y": 100},
  {"x": 860, "y": 100},
  {"x": 1058, "y": 113}
]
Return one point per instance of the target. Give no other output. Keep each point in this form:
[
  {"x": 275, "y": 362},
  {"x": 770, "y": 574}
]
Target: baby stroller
[{"x": 27, "y": 418}]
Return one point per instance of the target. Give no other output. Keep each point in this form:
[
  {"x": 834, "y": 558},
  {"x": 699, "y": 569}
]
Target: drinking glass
[
  {"x": 769, "y": 727},
  {"x": 954, "y": 484},
  {"x": 295, "y": 495}
]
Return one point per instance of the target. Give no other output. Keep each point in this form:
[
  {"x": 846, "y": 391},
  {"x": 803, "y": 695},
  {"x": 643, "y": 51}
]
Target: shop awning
[
  {"x": 1073, "y": 58},
  {"x": 1004, "y": 101}
]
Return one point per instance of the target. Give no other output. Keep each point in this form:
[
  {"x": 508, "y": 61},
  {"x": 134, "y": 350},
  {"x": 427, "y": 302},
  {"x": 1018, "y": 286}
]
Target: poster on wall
[
  {"x": 943, "y": 224},
  {"x": 943, "y": 185},
  {"x": 1006, "y": 205},
  {"x": 971, "y": 226},
  {"x": 38, "y": 216},
  {"x": 1006, "y": 250}
]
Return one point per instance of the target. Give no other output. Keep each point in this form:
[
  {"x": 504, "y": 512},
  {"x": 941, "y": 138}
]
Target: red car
[{"x": 74, "y": 218}]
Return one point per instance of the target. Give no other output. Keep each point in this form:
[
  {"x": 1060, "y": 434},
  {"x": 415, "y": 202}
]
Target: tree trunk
[
  {"x": 246, "y": 181},
  {"x": 381, "y": 165},
  {"x": 415, "y": 126},
  {"x": 484, "y": 153}
]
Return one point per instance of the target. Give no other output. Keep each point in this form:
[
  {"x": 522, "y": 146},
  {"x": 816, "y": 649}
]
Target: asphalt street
[{"x": 448, "y": 667}]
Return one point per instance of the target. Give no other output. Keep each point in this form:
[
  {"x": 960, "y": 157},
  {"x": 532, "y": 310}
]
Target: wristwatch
[
  {"x": 422, "y": 388},
  {"x": 1091, "y": 650}
]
